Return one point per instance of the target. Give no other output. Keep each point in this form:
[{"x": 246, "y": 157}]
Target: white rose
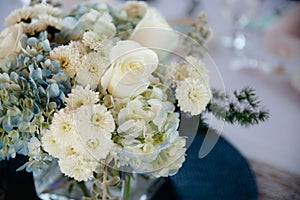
[
  {"x": 10, "y": 40},
  {"x": 130, "y": 70},
  {"x": 153, "y": 31}
]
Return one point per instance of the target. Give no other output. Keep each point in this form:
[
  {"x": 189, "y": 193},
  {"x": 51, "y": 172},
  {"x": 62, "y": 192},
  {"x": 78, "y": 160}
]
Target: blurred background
[{"x": 251, "y": 44}]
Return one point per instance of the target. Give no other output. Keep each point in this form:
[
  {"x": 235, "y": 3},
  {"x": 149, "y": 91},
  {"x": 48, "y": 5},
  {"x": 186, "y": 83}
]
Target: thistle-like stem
[{"x": 126, "y": 192}]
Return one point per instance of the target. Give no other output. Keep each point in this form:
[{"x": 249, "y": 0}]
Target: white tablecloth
[{"x": 277, "y": 140}]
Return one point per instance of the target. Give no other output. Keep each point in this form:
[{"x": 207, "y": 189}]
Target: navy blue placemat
[{"x": 223, "y": 174}]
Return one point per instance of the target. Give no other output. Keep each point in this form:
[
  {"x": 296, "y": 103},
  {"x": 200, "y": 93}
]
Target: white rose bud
[
  {"x": 130, "y": 70},
  {"x": 153, "y": 31}
]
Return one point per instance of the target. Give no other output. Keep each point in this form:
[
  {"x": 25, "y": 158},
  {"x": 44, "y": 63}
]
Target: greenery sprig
[
  {"x": 197, "y": 36},
  {"x": 242, "y": 108}
]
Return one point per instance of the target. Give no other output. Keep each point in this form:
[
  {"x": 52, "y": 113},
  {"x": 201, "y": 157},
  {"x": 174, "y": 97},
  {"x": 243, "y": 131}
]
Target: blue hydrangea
[{"x": 32, "y": 87}]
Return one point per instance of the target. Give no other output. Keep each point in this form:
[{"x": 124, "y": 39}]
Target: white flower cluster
[
  {"x": 122, "y": 107},
  {"x": 39, "y": 16},
  {"x": 192, "y": 84},
  {"x": 148, "y": 137},
  {"x": 87, "y": 66},
  {"x": 80, "y": 134}
]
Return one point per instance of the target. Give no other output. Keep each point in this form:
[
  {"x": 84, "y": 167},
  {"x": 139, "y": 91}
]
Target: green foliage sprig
[
  {"x": 197, "y": 35},
  {"x": 242, "y": 108}
]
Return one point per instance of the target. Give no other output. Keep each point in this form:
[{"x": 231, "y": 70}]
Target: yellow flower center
[
  {"x": 96, "y": 119},
  {"x": 64, "y": 62},
  {"x": 70, "y": 150},
  {"x": 79, "y": 103},
  {"x": 93, "y": 68},
  {"x": 93, "y": 143},
  {"x": 194, "y": 95},
  {"x": 66, "y": 127}
]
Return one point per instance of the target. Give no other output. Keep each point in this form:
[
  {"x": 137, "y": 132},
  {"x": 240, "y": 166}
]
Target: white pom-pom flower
[
  {"x": 95, "y": 124},
  {"x": 63, "y": 126},
  {"x": 93, "y": 67},
  {"x": 68, "y": 57},
  {"x": 192, "y": 95},
  {"x": 81, "y": 96},
  {"x": 77, "y": 167}
]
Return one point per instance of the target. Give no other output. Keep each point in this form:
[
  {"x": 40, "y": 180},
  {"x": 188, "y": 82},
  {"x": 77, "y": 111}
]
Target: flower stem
[
  {"x": 126, "y": 192},
  {"x": 84, "y": 189},
  {"x": 104, "y": 184}
]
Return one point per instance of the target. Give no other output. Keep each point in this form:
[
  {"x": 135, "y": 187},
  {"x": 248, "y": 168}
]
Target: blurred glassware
[
  {"x": 243, "y": 41},
  {"x": 239, "y": 14}
]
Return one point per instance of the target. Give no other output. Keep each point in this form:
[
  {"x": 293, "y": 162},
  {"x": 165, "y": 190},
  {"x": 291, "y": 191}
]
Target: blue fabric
[
  {"x": 14, "y": 184},
  {"x": 222, "y": 175}
]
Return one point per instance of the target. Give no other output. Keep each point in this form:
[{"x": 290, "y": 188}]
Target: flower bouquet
[{"x": 100, "y": 91}]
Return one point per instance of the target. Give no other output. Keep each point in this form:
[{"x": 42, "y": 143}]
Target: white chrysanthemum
[
  {"x": 50, "y": 144},
  {"x": 94, "y": 118},
  {"x": 193, "y": 68},
  {"x": 35, "y": 12},
  {"x": 46, "y": 8},
  {"x": 96, "y": 145},
  {"x": 192, "y": 95},
  {"x": 63, "y": 126},
  {"x": 74, "y": 147},
  {"x": 92, "y": 70},
  {"x": 18, "y": 15},
  {"x": 80, "y": 96},
  {"x": 104, "y": 47},
  {"x": 79, "y": 46},
  {"x": 196, "y": 68},
  {"x": 95, "y": 124},
  {"x": 62, "y": 138},
  {"x": 42, "y": 24},
  {"x": 77, "y": 167},
  {"x": 170, "y": 73},
  {"x": 51, "y": 21},
  {"x": 69, "y": 59},
  {"x": 91, "y": 40}
]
